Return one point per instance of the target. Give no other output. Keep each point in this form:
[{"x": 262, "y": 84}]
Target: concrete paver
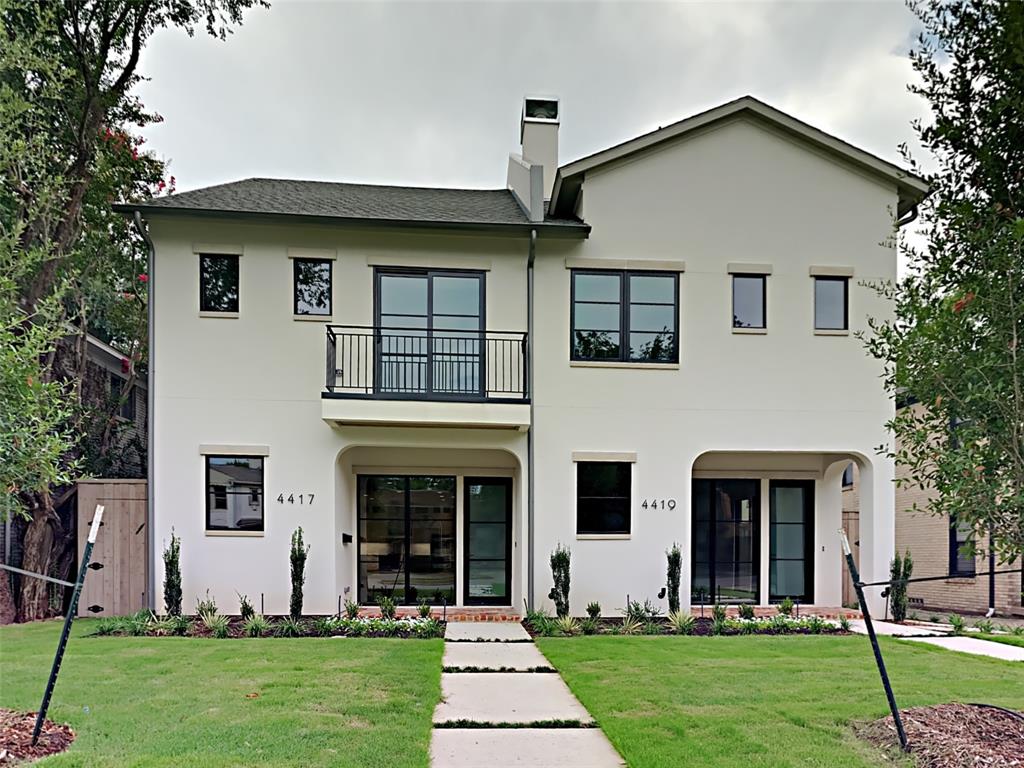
[
  {"x": 497, "y": 656},
  {"x": 486, "y": 631},
  {"x": 506, "y": 697},
  {"x": 888, "y": 629},
  {"x": 522, "y": 748},
  {"x": 974, "y": 646}
]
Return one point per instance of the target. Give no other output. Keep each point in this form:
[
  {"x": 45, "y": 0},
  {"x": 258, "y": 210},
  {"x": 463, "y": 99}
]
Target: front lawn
[
  {"x": 761, "y": 701},
  {"x": 174, "y": 701},
  {"x": 1017, "y": 640}
]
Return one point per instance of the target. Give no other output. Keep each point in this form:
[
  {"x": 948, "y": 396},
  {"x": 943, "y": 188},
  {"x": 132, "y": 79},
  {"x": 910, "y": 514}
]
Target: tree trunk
[
  {"x": 38, "y": 552},
  {"x": 8, "y": 611}
]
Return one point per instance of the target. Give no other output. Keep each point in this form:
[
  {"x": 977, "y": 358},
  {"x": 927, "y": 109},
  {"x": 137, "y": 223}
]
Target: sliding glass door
[
  {"x": 430, "y": 333},
  {"x": 725, "y": 541},
  {"x": 406, "y": 538},
  {"x": 791, "y": 540}
]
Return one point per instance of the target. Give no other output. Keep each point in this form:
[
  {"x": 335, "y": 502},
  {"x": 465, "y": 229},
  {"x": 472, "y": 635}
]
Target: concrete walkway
[
  {"x": 496, "y": 690},
  {"x": 889, "y": 629},
  {"x": 974, "y": 646}
]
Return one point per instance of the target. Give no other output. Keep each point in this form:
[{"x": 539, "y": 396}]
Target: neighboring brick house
[{"x": 934, "y": 544}]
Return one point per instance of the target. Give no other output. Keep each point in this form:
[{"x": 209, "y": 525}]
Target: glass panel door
[
  {"x": 406, "y": 538},
  {"x": 488, "y": 504},
  {"x": 431, "y": 337},
  {"x": 791, "y": 540},
  {"x": 725, "y": 541}
]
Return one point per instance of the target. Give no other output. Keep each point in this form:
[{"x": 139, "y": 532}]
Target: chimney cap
[{"x": 539, "y": 109}]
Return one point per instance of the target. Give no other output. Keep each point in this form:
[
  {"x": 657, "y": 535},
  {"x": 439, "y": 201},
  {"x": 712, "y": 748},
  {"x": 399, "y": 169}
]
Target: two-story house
[{"x": 652, "y": 344}]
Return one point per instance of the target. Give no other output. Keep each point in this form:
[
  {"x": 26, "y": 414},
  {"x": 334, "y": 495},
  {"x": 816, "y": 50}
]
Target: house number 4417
[
  {"x": 658, "y": 504},
  {"x": 291, "y": 498}
]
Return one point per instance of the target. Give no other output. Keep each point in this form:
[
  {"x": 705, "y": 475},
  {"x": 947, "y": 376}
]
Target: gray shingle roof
[{"x": 458, "y": 208}]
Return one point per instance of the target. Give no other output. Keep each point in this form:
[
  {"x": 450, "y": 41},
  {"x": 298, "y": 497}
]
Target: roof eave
[{"x": 545, "y": 229}]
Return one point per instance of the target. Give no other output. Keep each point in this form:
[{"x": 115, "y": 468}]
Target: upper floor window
[
  {"x": 218, "y": 283},
  {"x": 603, "y": 497},
  {"x": 234, "y": 493},
  {"x": 961, "y": 563},
  {"x": 625, "y": 316},
  {"x": 749, "y": 298},
  {"x": 831, "y": 303},
  {"x": 312, "y": 294}
]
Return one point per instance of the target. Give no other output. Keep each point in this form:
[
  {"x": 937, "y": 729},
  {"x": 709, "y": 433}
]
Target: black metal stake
[
  {"x": 68, "y": 619},
  {"x": 858, "y": 585}
]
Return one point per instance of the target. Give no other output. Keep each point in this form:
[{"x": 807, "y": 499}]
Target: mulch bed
[
  {"x": 16, "y": 737},
  {"x": 955, "y": 736}
]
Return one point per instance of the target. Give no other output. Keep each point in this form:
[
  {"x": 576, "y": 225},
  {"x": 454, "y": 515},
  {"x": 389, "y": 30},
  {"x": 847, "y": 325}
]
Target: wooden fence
[{"x": 119, "y": 586}]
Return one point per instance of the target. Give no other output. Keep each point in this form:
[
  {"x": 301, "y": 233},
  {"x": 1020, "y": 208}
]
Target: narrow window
[
  {"x": 625, "y": 316},
  {"x": 603, "y": 497},
  {"x": 312, "y": 295},
  {"x": 234, "y": 493},
  {"x": 748, "y": 301},
  {"x": 831, "y": 303},
  {"x": 127, "y": 408},
  {"x": 218, "y": 283},
  {"x": 961, "y": 559},
  {"x": 791, "y": 540},
  {"x": 848, "y": 476}
]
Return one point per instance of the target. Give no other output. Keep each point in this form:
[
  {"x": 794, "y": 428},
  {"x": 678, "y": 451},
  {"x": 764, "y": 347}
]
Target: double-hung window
[
  {"x": 234, "y": 493},
  {"x": 961, "y": 559},
  {"x": 624, "y": 316},
  {"x": 218, "y": 283},
  {"x": 312, "y": 284},
  {"x": 831, "y": 303}
]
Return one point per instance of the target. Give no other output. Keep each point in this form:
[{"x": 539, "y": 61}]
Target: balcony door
[
  {"x": 430, "y": 336},
  {"x": 725, "y": 541}
]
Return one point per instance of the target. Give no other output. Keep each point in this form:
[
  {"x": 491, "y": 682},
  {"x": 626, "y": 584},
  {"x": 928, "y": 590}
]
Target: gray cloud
[{"x": 429, "y": 93}]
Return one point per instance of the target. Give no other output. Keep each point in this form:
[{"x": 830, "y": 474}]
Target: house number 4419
[
  {"x": 302, "y": 498},
  {"x": 658, "y": 504}
]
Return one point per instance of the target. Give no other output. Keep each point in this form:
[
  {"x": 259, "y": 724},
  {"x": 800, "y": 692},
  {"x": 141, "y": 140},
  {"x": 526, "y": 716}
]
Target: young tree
[
  {"x": 955, "y": 346},
  {"x": 67, "y": 151}
]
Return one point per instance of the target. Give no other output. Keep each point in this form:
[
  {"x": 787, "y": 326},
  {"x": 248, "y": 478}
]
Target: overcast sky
[{"x": 429, "y": 93}]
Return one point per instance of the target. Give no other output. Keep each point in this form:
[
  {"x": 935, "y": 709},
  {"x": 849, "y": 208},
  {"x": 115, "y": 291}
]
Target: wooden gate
[
  {"x": 118, "y": 587},
  {"x": 851, "y": 524}
]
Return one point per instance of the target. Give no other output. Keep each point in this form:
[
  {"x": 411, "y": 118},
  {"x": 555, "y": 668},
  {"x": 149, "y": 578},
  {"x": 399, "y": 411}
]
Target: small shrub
[
  {"x": 933, "y": 619},
  {"x": 387, "y": 606},
  {"x": 256, "y": 625},
  {"x": 718, "y": 626},
  {"x": 652, "y": 628},
  {"x": 206, "y": 607},
  {"x": 785, "y": 608},
  {"x": 324, "y": 626},
  {"x": 900, "y": 570},
  {"x": 560, "y": 566},
  {"x": 718, "y": 612},
  {"x": 424, "y": 608},
  {"x": 428, "y": 629},
  {"x": 139, "y": 623},
  {"x": 567, "y": 625},
  {"x": 594, "y": 610},
  {"x": 631, "y": 626},
  {"x": 641, "y": 612},
  {"x": 110, "y": 625},
  {"x": 816, "y": 625},
  {"x": 682, "y": 622},
  {"x": 297, "y": 556},
  {"x": 780, "y": 623},
  {"x": 290, "y": 627},
  {"x": 589, "y": 625},
  {"x": 218, "y": 625},
  {"x": 535, "y": 618},
  {"x": 957, "y": 623},
  {"x": 746, "y": 611},
  {"x": 172, "y": 576},
  {"x": 844, "y": 623},
  {"x": 984, "y": 625},
  {"x": 245, "y": 607},
  {"x": 161, "y": 626},
  {"x": 675, "y": 568},
  {"x": 1018, "y": 630},
  {"x": 351, "y": 609}
]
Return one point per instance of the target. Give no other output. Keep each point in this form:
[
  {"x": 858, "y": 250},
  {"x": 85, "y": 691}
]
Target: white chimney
[{"x": 538, "y": 133}]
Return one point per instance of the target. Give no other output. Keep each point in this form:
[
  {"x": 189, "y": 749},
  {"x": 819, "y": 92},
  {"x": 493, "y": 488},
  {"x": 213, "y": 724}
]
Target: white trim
[
  {"x": 217, "y": 249},
  {"x": 314, "y": 318},
  {"x": 831, "y": 332},
  {"x": 243, "y": 534},
  {"x": 603, "y": 536},
  {"x": 222, "y": 315},
  {"x": 750, "y": 331},
  {"x": 652, "y": 265},
  {"x": 218, "y": 449},
  {"x": 430, "y": 262},
  {"x": 627, "y": 456},
  {"x": 745, "y": 268},
  {"x": 827, "y": 271},
  {"x": 388, "y": 469},
  {"x": 619, "y": 364},
  {"x": 755, "y": 474},
  {"x": 322, "y": 254}
]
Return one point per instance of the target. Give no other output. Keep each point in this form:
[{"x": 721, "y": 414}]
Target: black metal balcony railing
[{"x": 421, "y": 364}]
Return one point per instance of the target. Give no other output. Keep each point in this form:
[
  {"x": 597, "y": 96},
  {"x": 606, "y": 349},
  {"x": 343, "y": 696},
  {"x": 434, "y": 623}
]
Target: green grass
[
  {"x": 761, "y": 701},
  {"x": 182, "y": 701},
  {"x": 1017, "y": 640}
]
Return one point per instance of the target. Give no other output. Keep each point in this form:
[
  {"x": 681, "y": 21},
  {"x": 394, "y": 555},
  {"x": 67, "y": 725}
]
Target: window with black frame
[
  {"x": 126, "y": 410},
  {"x": 749, "y": 299},
  {"x": 218, "y": 283},
  {"x": 961, "y": 556},
  {"x": 791, "y": 540},
  {"x": 603, "y": 497},
  {"x": 625, "y": 316},
  {"x": 831, "y": 303},
  {"x": 234, "y": 493},
  {"x": 312, "y": 284}
]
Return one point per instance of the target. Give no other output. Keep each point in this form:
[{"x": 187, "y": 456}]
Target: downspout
[
  {"x": 150, "y": 400},
  {"x": 533, "y": 423}
]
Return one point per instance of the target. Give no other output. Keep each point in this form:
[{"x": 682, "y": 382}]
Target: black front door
[
  {"x": 725, "y": 541},
  {"x": 488, "y": 577}
]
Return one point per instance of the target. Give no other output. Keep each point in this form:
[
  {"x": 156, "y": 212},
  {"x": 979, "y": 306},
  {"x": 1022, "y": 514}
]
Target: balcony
[{"x": 426, "y": 377}]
